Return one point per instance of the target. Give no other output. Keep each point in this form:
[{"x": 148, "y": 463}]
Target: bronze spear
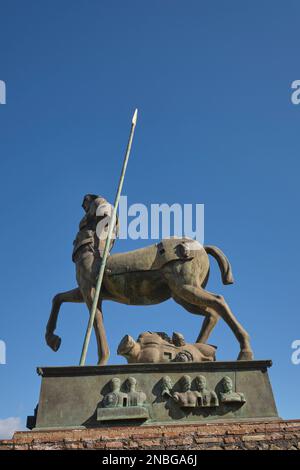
[{"x": 107, "y": 244}]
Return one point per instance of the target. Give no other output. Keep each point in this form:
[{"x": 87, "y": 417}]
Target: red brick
[
  {"x": 239, "y": 432},
  {"x": 21, "y": 447},
  {"x": 114, "y": 445},
  {"x": 231, "y": 439},
  {"x": 274, "y": 436},
  {"x": 172, "y": 434},
  {"x": 88, "y": 443},
  {"x": 272, "y": 427},
  {"x": 149, "y": 443},
  {"x": 290, "y": 426},
  {"x": 211, "y": 432},
  {"x": 74, "y": 445},
  {"x": 99, "y": 445},
  {"x": 255, "y": 437},
  {"x": 147, "y": 435},
  {"x": 207, "y": 440},
  {"x": 132, "y": 445},
  {"x": 115, "y": 437},
  {"x": 289, "y": 437},
  {"x": 233, "y": 435},
  {"x": 178, "y": 442}
]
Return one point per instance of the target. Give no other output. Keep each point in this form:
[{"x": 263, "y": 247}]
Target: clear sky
[{"x": 216, "y": 126}]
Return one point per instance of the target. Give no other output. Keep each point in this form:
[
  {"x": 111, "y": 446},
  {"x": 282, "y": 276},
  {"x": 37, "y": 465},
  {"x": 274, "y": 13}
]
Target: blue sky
[{"x": 216, "y": 126}]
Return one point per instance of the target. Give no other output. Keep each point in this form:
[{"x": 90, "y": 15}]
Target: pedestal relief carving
[
  {"x": 186, "y": 397},
  {"x": 228, "y": 395},
  {"x": 194, "y": 393},
  {"x": 205, "y": 397},
  {"x": 115, "y": 398},
  {"x": 123, "y": 405}
]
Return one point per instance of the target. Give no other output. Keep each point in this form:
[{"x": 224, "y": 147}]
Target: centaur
[{"x": 176, "y": 268}]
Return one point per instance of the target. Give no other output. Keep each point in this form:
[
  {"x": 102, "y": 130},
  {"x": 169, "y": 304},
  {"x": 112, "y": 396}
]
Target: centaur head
[
  {"x": 88, "y": 199},
  {"x": 98, "y": 212}
]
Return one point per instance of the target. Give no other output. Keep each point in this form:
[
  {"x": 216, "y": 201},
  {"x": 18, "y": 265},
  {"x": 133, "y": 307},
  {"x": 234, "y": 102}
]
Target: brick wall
[{"x": 269, "y": 435}]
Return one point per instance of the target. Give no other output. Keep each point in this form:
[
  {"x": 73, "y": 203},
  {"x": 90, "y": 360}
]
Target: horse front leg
[
  {"x": 102, "y": 344},
  {"x": 73, "y": 296}
]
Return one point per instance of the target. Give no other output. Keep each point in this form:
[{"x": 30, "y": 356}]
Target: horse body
[
  {"x": 146, "y": 276},
  {"x": 173, "y": 268}
]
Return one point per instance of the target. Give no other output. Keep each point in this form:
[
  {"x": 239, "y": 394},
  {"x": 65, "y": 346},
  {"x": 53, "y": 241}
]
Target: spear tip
[{"x": 134, "y": 119}]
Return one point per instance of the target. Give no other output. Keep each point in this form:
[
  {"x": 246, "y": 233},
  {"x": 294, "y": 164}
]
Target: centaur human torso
[{"x": 175, "y": 268}]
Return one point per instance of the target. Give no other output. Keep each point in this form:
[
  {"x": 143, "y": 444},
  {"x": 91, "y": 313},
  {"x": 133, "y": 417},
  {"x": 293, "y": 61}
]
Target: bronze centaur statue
[{"x": 175, "y": 268}]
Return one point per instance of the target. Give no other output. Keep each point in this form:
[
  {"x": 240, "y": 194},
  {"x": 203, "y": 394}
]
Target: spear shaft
[{"x": 107, "y": 244}]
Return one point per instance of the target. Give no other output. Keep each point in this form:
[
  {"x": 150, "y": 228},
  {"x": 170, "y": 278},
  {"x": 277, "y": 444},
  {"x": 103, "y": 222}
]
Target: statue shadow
[{"x": 92, "y": 420}]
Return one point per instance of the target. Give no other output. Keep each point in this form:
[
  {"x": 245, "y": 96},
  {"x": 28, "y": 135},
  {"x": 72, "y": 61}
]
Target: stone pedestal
[{"x": 153, "y": 394}]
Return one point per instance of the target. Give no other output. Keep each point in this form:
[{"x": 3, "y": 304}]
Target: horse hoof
[
  {"x": 53, "y": 342},
  {"x": 245, "y": 356},
  {"x": 102, "y": 362}
]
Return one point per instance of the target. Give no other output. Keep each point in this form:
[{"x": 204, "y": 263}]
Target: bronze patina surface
[
  {"x": 176, "y": 268},
  {"x": 145, "y": 394},
  {"x": 159, "y": 347}
]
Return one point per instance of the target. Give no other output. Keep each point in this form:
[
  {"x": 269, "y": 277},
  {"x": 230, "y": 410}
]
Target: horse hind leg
[
  {"x": 209, "y": 322},
  {"x": 203, "y": 299},
  {"x": 73, "y": 296}
]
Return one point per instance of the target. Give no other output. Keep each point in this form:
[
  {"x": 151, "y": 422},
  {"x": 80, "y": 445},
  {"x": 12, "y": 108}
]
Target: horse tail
[{"x": 222, "y": 260}]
